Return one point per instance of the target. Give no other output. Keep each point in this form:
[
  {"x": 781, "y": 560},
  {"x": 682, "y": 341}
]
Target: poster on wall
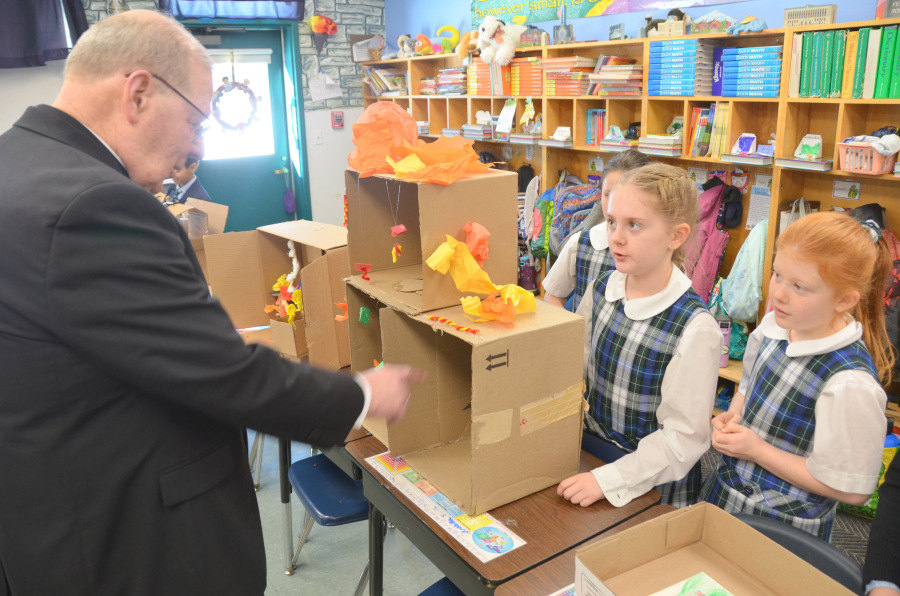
[{"x": 539, "y": 11}]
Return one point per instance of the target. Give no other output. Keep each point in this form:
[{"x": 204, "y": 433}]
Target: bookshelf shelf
[{"x": 789, "y": 118}]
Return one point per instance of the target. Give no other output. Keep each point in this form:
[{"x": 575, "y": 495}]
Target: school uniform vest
[
  {"x": 781, "y": 408},
  {"x": 590, "y": 264},
  {"x": 625, "y": 383}
]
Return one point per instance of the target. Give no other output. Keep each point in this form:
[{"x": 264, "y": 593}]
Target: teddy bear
[
  {"x": 468, "y": 43},
  {"x": 498, "y": 41},
  {"x": 405, "y": 47}
]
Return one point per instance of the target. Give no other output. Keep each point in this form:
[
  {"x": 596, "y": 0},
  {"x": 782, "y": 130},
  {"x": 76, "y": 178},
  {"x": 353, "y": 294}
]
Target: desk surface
[
  {"x": 357, "y": 434},
  {"x": 548, "y": 523},
  {"x": 560, "y": 572}
]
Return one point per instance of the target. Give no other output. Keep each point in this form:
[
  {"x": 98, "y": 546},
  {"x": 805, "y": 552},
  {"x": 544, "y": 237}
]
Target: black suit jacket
[
  {"x": 194, "y": 191},
  {"x": 123, "y": 386}
]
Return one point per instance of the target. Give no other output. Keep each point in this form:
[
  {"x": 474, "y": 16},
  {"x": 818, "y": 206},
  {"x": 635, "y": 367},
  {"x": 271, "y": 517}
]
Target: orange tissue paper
[{"x": 477, "y": 241}]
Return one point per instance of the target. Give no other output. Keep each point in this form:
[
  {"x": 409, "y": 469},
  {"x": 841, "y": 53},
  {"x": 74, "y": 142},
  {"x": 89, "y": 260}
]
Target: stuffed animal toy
[
  {"x": 749, "y": 24},
  {"x": 423, "y": 45},
  {"x": 498, "y": 41},
  {"x": 468, "y": 43},
  {"x": 407, "y": 47},
  {"x": 448, "y": 43}
]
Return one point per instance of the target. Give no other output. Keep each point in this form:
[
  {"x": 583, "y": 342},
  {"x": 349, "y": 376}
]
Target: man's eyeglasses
[{"x": 204, "y": 126}]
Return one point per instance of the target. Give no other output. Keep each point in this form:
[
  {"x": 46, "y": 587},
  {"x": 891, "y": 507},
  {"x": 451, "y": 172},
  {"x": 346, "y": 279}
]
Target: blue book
[
  {"x": 667, "y": 88},
  {"x": 677, "y": 53},
  {"x": 673, "y": 42},
  {"x": 753, "y": 76},
  {"x": 754, "y": 64},
  {"x": 756, "y": 50},
  {"x": 750, "y": 87},
  {"x": 750, "y": 57},
  {"x": 685, "y": 61},
  {"x": 682, "y": 76},
  {"x": 718, "y": 71},
  {"x": 741, "y": 69},
  {"x": 664, "y": 72},
  {"x": 682, "y": 93},
  {"x": 741, "y": 93}
]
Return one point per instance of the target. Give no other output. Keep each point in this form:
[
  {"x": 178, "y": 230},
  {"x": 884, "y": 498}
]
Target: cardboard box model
[
  {"x": 499, "y": 417},
  {"x": 701, "y": 538},
  {"x": 243, "y": 266},
  {"x": 430, "y": 212},
  {"x": 211, "y": 216}
]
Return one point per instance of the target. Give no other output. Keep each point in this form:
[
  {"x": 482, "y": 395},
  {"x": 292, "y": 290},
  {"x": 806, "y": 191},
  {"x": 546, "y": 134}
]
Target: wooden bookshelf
[{"x": 789, "y": 118}]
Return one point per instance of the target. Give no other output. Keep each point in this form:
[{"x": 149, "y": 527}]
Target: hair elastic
[{"x": 873, "y": 229}]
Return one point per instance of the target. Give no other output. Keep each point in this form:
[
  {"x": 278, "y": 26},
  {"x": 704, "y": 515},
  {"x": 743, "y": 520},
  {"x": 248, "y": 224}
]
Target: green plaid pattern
[
  {"x": 780, "y": 407},
  {"x": 625, "y": 372},
  {"x": 590, "y": 264}
]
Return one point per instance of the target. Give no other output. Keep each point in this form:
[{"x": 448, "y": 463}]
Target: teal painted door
[{"x": 247, "y": 184}]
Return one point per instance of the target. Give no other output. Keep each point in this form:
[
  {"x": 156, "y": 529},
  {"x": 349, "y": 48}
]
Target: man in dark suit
[
  {"x": 185, "y": 184},
  {"x": 123, "y": 385}
]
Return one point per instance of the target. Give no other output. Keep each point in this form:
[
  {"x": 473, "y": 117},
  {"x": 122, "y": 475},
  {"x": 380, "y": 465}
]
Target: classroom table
[
  {"x": 559, "y": 572},
  {"x": 549, "y": 524}
]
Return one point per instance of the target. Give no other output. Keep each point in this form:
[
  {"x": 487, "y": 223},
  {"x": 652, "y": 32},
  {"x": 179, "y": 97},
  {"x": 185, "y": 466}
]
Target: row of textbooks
[
  {"x": 451, "y": 81},
  {"x": 681, "y": 67},
  {"x": 708, "y": 130},
  {"x": 385, "y": 81},
  {"x": 747, "y": 72},
  {"x": 525, "y": 76},
  {"x": 487, "y": 78},
  {"x": 848, "y": 64},
  {"x": 595, "y": 128},
  {"x": 567, "y": 76}
]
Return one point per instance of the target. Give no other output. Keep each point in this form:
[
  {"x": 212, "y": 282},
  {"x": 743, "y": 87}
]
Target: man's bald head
[{"x": 135, "y": 40}]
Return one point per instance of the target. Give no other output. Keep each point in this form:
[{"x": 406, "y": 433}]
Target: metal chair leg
[
  {"x": 307, "y": 527},
  {"x": 259, "y": 456},
  {"x": 364, "y": 576},
  {"x": 253, "y": 450}
]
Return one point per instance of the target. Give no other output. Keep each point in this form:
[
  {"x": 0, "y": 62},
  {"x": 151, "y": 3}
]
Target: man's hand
[
  {"x": 391, "y": 385},
  {"x": 581, "y": 489}
]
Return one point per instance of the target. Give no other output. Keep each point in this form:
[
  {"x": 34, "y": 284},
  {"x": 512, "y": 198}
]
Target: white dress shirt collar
[
  {"x": 599, "y": 235},
  {"x": 184, "y": 188},
  {"x": 116, "y": 155},
  {"x": 812, "y": 347},
  {"x": 639, "y": 309}
]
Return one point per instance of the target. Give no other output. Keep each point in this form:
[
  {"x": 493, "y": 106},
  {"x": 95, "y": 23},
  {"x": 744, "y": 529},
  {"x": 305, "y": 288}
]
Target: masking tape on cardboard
[
  {"x": 544, "y": 412},
  {"x": 492, "y": 428}
]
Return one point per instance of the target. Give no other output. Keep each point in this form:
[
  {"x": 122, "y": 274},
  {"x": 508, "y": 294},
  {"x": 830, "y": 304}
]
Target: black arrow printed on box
[{"x": 490, "y": 359}]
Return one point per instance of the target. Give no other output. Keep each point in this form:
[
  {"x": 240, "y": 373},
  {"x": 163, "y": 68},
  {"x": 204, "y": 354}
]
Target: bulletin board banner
[{"x": 539, "y": 11}]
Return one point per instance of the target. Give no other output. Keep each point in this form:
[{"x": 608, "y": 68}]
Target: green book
[
  {"x": 837, "y": 63},
  {"x": 894, "y": 87},
  {"x": 859, "y": 74},
  {"x": 815, "y": 73},
  {"x": 806, "y": 66},
  {"x": 885, "y": 62},
  {"x": 827, "y": 63}
]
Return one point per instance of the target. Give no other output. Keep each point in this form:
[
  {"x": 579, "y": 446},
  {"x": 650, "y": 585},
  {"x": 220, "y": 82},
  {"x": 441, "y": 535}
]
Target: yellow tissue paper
[{"x": 410, "y": 163}]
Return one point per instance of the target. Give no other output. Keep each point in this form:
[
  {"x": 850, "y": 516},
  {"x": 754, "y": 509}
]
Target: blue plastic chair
[
  {"x": 442, "y": 587},
  {"x": 330, "y": 497}
]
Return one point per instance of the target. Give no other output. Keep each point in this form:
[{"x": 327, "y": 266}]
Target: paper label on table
[
  {"x": 321, "y": 87},
  {"x": 760, "y": 198},
  {"x": 483, "y": 536},
  {"x": 507, "y": 116},
  {"x": 846, "y": 189},
  {"x": 567, "y": 591}
]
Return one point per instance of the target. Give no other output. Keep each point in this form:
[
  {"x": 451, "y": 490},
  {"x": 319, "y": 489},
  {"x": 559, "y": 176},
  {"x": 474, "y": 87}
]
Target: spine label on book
[
  {"x": 886, "y": 62},
  {"x": 859, "y": 74},
  {"x": 742, "y": 93},
  {"x": 837, "y": 63},
  {"x": 744, "y": 69},
  {"x": 827, "y": 53},
  {"x": 746, "y": 57},
  {"x": 815, "y": 74},
  {"x": 894, "y": 86},
  {"x": 806, "y": 67},
  {"x": 849, "y": 64},
  {"x": 756, "y": 50}
]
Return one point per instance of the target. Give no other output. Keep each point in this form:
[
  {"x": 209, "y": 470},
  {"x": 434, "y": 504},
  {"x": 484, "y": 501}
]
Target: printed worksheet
[{"x": 483, "y": 536}]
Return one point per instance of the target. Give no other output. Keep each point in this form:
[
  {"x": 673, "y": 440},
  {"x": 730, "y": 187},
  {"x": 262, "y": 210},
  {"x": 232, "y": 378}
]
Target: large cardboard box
[
  {"x": 244, "y": 265},
  {"x": 430, "y": 212},
  {"x": 213, "y": 219},
  {"x": 500, "y": 415},
  {"x": 676, "y": 546}
]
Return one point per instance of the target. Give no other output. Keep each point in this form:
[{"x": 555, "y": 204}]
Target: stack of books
[
  {"x": 567, "y": 76},
  {"x": 860, "y": 64},
  {"x": 451, "y": 81},
  {"x": 554, "y": 143},
  {"x": 665, "y": 145},
  {"x": 747, "y": 72},
  {"x": 385, "y": 81},
  {"x": 521, "y": 138},
  {"x": 487, "y": 78},
  {"x": 525, "y": 75},
  {"x": 708, "y": 131},
  {"x": 479, "y": 132},
  {"x": 427, "y": 87},
  {"x": 681, "y": 67},
  {"x": 618, "y": 80},
  {"x": 604, "y": 61},
  {"x": 820, "y": 164},
  {"x": 451, "y": 132},
  {"x": 595, "y": 128},
  {"x": 617, "y": 145},
  {"x": 423, "y": 127}
]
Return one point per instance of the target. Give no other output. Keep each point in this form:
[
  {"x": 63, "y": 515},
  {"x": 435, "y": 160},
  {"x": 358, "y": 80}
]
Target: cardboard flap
[
  {"x": 338, "y": 270},
  {"x": 320, "y": 235},
  {"x": 217, "y": 214},
  {"x": 179, "y": 208},
  {"x": 318, "y": 313},
  {"x": 236, "y": 278}
]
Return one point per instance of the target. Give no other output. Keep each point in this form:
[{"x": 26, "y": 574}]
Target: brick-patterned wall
[
  {"x": 97, "y": 10},
  {"x": 353, "y": 17}
]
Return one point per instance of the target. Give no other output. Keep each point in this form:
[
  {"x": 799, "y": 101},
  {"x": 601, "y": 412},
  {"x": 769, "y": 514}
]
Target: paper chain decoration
[{"x": 454, "y": 325}]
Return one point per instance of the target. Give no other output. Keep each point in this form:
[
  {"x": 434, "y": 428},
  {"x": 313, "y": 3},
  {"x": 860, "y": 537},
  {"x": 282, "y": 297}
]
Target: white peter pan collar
[
  {"x": 812, "y": 347},
  {"x": 639, "y": 309},
  {"x": 599, "y": 235}
]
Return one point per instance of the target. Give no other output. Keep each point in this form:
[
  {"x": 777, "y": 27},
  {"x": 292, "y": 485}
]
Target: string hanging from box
[{"x": 396, "y": 229}]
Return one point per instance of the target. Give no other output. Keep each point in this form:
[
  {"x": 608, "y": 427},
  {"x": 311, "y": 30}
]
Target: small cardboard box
[
  {"x": 215, "y": 217},
  {"x": 676, "y": 546},
  {"x": 243, "y": 266},
  {"x": 430, "y": 213},
  {"x": 499, "y": 416}
]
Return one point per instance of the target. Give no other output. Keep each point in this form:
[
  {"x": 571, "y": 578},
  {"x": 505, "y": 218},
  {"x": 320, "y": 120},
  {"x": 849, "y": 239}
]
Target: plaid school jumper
[
  {"x": 590, "y": 264},
  {"x": 625, "y": 374},
  {"x": 781, "y": 407}
]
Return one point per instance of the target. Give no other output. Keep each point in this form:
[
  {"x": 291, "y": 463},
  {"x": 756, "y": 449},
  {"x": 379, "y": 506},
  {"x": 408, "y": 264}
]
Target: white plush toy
[{"x": 498, "y": 41}]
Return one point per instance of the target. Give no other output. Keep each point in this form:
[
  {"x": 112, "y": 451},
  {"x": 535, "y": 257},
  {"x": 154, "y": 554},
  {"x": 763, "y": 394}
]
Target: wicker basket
[
  {"x": 375, "y": 53},
  {"x": 861, "y": 158}
]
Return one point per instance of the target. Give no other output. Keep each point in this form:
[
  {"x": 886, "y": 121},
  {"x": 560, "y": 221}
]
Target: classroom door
[{"x": 248, "y": 139}]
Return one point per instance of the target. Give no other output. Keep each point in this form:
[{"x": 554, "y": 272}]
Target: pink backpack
[{"x": 703, "y": 255}]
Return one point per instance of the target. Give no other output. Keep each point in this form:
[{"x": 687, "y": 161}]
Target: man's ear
[{"x": 136, "y": 95}]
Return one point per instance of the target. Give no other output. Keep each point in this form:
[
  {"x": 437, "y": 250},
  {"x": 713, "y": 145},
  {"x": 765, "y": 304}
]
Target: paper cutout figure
[
  {"x": 745, "y": 144},
  {"x": 395, "y": 252},
  {"x": 454, "y": 325},
  {"x": 364, "y": 314},
  {"x": 477, "y": 241},
  {"x": 397, "y": 230},
  {"x": 365, "y": 268},
  {"x": 346, "y": 315},
  {"x": 529, "y": 112}
]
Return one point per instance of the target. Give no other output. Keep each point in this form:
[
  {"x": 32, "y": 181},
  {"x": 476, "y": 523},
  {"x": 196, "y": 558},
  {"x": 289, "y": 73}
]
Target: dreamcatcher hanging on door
[{"x": 247, "y": 114}]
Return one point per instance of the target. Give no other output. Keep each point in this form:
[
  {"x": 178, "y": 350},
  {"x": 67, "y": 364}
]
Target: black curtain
[
  {"x": 234, "y": 9},
  {"x": 34, "y": 31}
]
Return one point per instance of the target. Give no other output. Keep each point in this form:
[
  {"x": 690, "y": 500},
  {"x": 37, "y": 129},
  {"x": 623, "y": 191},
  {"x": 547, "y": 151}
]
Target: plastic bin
[{"x": 861, "y": 158}]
